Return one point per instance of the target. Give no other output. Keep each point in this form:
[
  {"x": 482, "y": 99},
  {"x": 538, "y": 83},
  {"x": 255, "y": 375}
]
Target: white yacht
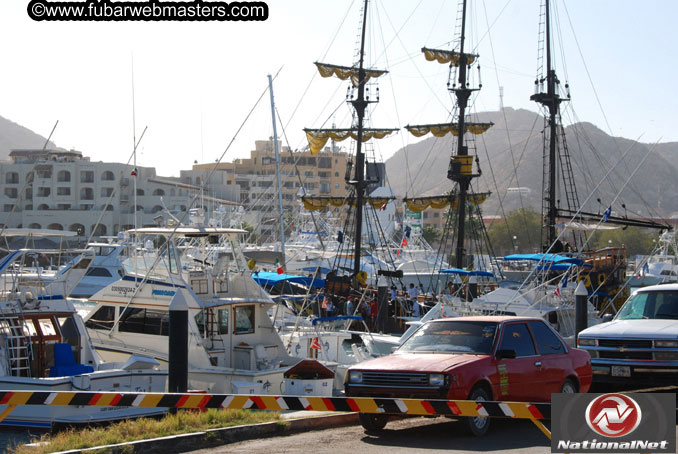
[
  {"x": 233, "y": 346},
  {"x": 44, "y": 347}
]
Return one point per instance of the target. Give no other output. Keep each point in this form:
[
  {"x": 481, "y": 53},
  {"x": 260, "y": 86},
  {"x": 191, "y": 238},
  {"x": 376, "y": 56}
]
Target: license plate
[{"x": 620, "y": 371}]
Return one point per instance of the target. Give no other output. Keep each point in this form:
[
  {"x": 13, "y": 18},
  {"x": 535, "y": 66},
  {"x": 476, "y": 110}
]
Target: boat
[
  {"x": 44, "y": 346},
  {"x": 233, "y": 346},
  {"x": 661, "y": 267},
  {"x": 106, "y": 267}
]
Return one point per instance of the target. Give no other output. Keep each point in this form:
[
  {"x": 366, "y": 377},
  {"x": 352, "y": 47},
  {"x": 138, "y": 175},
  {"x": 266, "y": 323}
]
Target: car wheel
[
  {"x": 372, "y": 422},
  {"x": 479, "y": 425},
  {"x": 568, "y": 387}
]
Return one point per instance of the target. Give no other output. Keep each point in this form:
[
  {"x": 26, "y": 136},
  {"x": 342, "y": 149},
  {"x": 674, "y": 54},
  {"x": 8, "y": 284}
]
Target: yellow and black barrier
[{"x": 394, "y": 406}]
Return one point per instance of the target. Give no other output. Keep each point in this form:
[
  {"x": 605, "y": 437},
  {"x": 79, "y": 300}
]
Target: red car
[{"x": 496, "y": 358}]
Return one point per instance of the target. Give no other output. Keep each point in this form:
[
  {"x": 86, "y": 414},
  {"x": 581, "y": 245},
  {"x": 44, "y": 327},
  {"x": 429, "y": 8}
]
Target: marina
[{"x": 391, "y": 248}]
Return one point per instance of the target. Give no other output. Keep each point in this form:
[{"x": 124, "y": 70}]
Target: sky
[{"x": 194, "y": 83}]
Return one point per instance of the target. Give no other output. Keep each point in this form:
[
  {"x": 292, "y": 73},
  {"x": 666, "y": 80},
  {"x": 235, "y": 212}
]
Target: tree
[
  {"x": 252, "y": 236},
  {"x": 431, "y": 234},
  {"x": 519, "y": 232},
  {"x": 635, "y": 239}
]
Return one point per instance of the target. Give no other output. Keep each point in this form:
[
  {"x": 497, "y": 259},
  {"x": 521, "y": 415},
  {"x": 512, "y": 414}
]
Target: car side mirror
[
  {"x": 607, "y": 318},
  {"x": 394, "y": 348},
  {"x": 506, "y": 354}
]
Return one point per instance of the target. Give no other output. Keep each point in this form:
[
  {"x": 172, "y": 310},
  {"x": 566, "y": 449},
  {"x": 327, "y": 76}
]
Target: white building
[{"x": 64, "y": 190}]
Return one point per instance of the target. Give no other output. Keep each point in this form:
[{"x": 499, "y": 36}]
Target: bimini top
[
  {"x": 188, "y": 232},
  {"x": 466, "y": 272},
  {"x": 545, "y": 258},
  {"x": 269, "y": 278}
]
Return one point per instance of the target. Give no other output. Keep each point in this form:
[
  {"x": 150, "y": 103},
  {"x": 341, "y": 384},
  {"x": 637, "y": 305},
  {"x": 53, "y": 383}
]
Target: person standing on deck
[{"x": 412, "y": 294}]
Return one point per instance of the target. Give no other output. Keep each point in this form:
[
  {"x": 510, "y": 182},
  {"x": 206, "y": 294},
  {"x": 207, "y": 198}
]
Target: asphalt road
[{"x": 415, "y": 435}]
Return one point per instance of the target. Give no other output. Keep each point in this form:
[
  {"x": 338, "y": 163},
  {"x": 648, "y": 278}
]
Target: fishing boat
[
  {"x": 232, "y": 347},
  {"x": 44, "y": 347}
]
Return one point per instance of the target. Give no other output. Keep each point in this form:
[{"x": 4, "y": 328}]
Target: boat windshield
[
  {"x": 651, "y": 305},
  {"x": 453, "y": 336}
]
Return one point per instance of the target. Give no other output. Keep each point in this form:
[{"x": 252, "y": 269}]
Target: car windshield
[
  {"x": 662, "y": 304},
  {"x": 453, "y": 336}
]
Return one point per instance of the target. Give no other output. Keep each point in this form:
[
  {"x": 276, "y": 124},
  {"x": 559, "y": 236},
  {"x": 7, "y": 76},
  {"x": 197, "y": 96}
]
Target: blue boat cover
[
  {"x": 337, "y": 318},
  {"x": 269, "y": 278},
  {"x": 466, "y": 272},
  {"x": 547, "y": 258}
]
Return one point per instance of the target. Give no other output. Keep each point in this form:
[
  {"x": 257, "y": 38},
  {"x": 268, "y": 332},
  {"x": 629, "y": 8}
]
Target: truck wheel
[
  {"x": 372, "y": 422},
  {"x": 568, "y": 387},
  {"x": 479, "y": 425}
]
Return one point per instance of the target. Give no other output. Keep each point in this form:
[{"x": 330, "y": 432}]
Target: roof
[
  {"x": 486, "y": 318},
  {"x": 466, "y": 272},
  {"x": 36, "y": 232}
]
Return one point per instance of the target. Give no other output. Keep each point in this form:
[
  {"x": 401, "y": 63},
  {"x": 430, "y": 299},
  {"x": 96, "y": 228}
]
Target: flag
[
  {"x": 383, "y": 207},
  {"x": 557, "y": 291},
  {"x": 404, "y": 243},
  {"x": 325, "y": 302},
  {"x": 315, "y": 344},
  {"x": 607, "y": 213},
  {"x": 563, "y": 282},
  {"x": 134, "y": 172},
  {"x": 279, "y": 270}
]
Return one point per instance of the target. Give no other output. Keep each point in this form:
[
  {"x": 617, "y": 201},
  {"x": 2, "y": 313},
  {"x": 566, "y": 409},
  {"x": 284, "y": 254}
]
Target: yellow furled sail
[
  {"x": 447, "y": 56},
  {"x": 418, "y": 204},
  {"x": 442, "y": 129},
  {"x": 346, "y": 72},
  {"x": 317, "y": 138},
  {"x": 317, "y": 203}
]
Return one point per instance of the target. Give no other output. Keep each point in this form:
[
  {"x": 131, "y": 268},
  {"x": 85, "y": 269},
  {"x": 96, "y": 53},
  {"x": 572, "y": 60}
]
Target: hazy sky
[{"x": 196, "y": 82}]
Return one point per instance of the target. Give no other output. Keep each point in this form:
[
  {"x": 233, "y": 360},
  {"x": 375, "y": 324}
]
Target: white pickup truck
[{"x": 640, "y": 344}]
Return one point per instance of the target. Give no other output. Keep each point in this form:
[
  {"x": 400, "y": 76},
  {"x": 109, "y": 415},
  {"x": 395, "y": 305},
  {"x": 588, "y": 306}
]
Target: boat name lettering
[
  {"x": 163, "y": 292},
  {"x": 123, "y": 290}
]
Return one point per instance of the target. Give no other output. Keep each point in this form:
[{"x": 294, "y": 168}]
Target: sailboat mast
[
  {"x": 277, "y": 170},
  {"x": 360, "y": 104},
  {"x": 462, "y": 93}
]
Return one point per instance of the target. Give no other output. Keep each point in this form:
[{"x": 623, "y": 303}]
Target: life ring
[
  {"x": 586, "y": 279},
  {"x": 361, "y": 277},
  {"x": 601, "y": 278}
]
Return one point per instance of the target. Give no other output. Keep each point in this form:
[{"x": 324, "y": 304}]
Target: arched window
[
  {"x": 78, "y": 228},
  {"x": 156, "y": 209},
  {"x": 159, "y": 192},
  {"x": 86, "y": 194},
  {"x": 100, "y": 230},
  {"x": 172, "y": 192},
  {"x": 63, "y": 176},
  {"x": 34, "y": 225},
  {"x": 55, "y": 226},
  {"x": 140, "y": 192},
  {"x": 108, "y": 176},
  {"x": 140, "y": 208},
  {"x": 107, "y": 207},
  {"x": 43, "y": 207}
]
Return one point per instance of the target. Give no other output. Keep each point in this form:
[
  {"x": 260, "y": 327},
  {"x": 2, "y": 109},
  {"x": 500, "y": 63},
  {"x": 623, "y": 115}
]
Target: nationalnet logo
[
  {"x": 613, "y": 423},
  {"x": 613, "y": 415}
]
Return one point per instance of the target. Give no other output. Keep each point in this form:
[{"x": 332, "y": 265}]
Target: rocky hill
[
  {"x": 14, "y": 136},
  {"x": 511, "y": 156}
]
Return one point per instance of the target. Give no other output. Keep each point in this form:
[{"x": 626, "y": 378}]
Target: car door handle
[{"x": 538, "y": 363}]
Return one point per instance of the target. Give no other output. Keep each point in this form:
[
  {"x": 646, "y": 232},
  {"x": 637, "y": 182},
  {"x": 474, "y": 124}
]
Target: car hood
[
  {"x": 417, "y": 362},
  {"x": 652, "y": 329}
]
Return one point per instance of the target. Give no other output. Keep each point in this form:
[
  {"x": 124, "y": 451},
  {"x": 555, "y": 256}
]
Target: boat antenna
[
  {"x": 277, "y": 170},
  {"x": 360, "y": 104},
  {"x": 134, "y": 147}
]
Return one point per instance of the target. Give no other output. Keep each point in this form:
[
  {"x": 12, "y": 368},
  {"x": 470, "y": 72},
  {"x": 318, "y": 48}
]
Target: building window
[
  {"x": 63, "y": 206},
  {"x": 324, "y": 163},
  {"x": 7, "y": 208},
  {"x": 156, "y": 209},
  {"x": 323, "y": 174},
  {"x": 64, "y": 191},
  {"x": 324, "y": 188},
  {"x": 12, "y": 193},
  {"x": 86, "y": 176},
  {"x": 308, "y": 174},
  {"x": 87, "y": 194},
  {"x": 44, "y": 192},
  {"x": 12, "y": 178},
  {"x": 108, "y": 176},
  {"x": 159, "y": 192},
  {"x": 63, "y": 176},
  {"x": 140, "y": 192},
  {"x": 106, "y": 192}
]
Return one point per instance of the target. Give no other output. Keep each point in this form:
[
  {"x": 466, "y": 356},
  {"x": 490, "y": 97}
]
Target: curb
[{"x": 217, "y": 437}]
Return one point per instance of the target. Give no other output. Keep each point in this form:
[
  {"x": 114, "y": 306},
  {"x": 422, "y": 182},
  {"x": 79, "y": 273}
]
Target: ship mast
[
  {"x": 360, "y": 104},
  {"x": 462, "y": 93}
]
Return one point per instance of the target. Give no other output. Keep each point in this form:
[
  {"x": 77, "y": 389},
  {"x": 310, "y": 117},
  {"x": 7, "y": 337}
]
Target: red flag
[
  {"x": 404, "y": 243},
  {"x": 134, "y": 172},
  {"x": 325, "y": 303},
  {"x": 383, "y": 207},
  {"x": 279, "y": 270},
  {"x": 315, "y": 344}
]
